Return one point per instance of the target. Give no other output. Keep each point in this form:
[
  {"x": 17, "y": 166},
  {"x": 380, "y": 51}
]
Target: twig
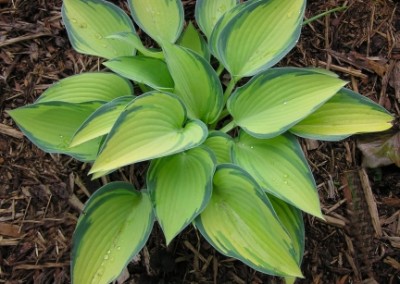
[
  {"x": 7, "y": 130},
  {"x": 373, "y": 210},
  {"x": 22, "y": 38}
]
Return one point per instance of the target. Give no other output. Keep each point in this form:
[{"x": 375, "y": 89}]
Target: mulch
[{"x": 41, "y": 195}]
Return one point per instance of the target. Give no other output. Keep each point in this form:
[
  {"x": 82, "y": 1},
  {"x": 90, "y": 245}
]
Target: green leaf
[
  {"x": 143, "y": 70},
  {"x": 196, "y": 83},
  {"x": 208, "y": 12},
  {"x": 192, "y": 40},
  {"x": 220, "y": 25},
  {"x": 89, "y": 23},
  {"x": 239, "y": 222},
  {"x": 292, "y": 220},
  {"x": 154, "y": 125},
  {"x": 280, "y": 168},
  {"x": 101, "y": 121},
  {"x": 180, "y": 187},
  {"x": 221, "y": 144},
  {"x": 114, "y": 227},
  {"x": 87, "y": 87},
  {"x": 51, "y": 125},
  {"x": 134, "y": 40},
  {"x": 277, "y": 99},
  {"x": 346, "y": 113},
  {"x": 258, "y": 36},
  {"x": 160, "y": 19}
]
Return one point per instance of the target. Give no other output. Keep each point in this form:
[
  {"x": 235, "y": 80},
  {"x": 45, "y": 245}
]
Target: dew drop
[
  {"x": 104, "y": 45},
  {"x": 74, "y": 20},
  {"x": 118, "y": 248},
  {"x": 290, "y": 14},
  {"x": 285, "y": 176},
  {"x": 106, "y": 257},
  {"x": 83, "y": 25},
  {"x": 99, "y": 36},
  {"x": 285, "y": 103},
  {"x": 252, "y": 147},
  {"x": 112, "y": 259},
  {"x": 285, "y": 182}
]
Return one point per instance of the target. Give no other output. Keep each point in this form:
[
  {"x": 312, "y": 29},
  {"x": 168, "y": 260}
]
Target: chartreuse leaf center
[
  {"x": 154, "y": 125},
  {"x": 114, "y": 227},
  {"x": 239, "y": 221},
  {"x": 180, "y": 187}
]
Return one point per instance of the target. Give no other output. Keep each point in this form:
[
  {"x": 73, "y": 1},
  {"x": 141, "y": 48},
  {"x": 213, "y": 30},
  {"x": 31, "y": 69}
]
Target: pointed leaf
[
  {"x": 192, "y": 40},
  {"x": 239, "y": 221},
  {"x": 114, "y": 227},
  {"x": 220, "y": 26},
  {"x": 134, "y": 40},
  {"x": 101, "y": 121},
  {"x": 280, "y": 168},
  {"x": 87, "y": 87},
  {"x": 154, "y": 125},
  {"x": 89, "y": 23},
  {"x": 208, "y": 12},
  {"x": 160, "y": 19},
  {"x": 275, "y": 100},
  {"x": 292, "y": 220},
  {"x": 258, "y": 36},
  {"x": 346, "y": 113},
  {"x": 221, "y": 144},
  {"x": 51, "y": 125},
  {"x": 144, "y": 70},
  {"x": 196, "y": 83},
  {"x": 180, "y": 187}
]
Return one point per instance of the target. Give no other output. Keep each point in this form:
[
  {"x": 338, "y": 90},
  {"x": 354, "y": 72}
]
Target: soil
[{"x": 41, "y": 194}]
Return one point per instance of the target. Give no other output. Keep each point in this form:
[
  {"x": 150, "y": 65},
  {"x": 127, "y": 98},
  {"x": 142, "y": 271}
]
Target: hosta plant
[{"x": 223, "y": 155}]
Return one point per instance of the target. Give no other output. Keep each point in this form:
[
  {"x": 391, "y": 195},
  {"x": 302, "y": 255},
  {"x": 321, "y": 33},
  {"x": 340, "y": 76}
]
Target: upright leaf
[
  {"x": 292, "y": 220},
  {"x": 154, "y": 125},
  {"x": 208, "y": 12},
  {"x": 101, "y": 121},
  {"x": 152, "y": 72},
  {"x": 114, "y": 227},
  {"x": 280, "y": 168},
  {"x": 346, "y": 113},
  {"x": 87, "y": 87},
  {"x": 221, "y": 144},
  {"x": 196, "y": 83},
  {"x": 160, "y": 19},
  {"x": 277, "y": 99},
  {"x": 180, "y": 187},
  {"x": 51, "y": 125},
  {"x": 89, "y": 23},
  {"x": 258, "y": 34},
  {"x": 192, "y": 40},
  {"x": 239, "y": 221}
]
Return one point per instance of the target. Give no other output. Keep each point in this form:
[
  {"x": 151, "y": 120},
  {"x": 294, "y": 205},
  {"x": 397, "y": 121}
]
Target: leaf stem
[
  {"x": 229, "y": 89},
  {"x": 228, "y": 127},
  {"x": 220, "y": 69},
  {"x": 316, "y": 17}
]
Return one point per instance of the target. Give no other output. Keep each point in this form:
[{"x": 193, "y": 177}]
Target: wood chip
[
  {"x": 392, "y": 262},
  {"x": 369, "y": 197},
  {"x": 9, "y": 230},
  {"x": 9, "y": 131}
]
